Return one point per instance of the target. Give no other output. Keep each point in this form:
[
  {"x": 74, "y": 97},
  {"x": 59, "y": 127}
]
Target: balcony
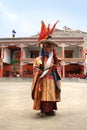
[
  {"x": 28, "y": 60},
  {"x": 73, "y": 60},
  {"x": 66, "y": 60}
]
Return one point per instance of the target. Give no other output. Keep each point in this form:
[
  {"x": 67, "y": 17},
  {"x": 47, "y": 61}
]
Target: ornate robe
[{"x": 44, "y": 88}]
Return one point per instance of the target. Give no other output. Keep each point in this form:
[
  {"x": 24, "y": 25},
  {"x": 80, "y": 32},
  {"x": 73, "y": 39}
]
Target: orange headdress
[{"x": 46, "y": 33}]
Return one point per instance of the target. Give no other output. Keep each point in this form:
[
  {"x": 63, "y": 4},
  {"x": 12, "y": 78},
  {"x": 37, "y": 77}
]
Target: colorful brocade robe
[{"x": 44, "y": 88}]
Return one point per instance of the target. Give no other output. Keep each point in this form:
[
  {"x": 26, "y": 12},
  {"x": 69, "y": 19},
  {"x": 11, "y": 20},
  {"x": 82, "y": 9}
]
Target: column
[
  {"x": 63, "y": 53},
  {"x": 83, "y": 52},
  {"x": 1, "y": 69},
  {"x": 21, "y": 73},
  {"x": 2, "y": 57},
  {"x": 21, "y": 52},
  {"x": 2, "y": 53},
  {"x": 21, "y": 62},
  {"x": 63, "y": 70}
]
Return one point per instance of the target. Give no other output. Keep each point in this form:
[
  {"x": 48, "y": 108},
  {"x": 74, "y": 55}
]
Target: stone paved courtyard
[{"x": 16, "y": 111}]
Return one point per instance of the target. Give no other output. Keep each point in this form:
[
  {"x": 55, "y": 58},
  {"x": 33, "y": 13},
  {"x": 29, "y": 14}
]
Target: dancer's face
[{"x": 48, "y": 47}]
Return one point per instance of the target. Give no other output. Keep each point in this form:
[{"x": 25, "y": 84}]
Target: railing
[
  {"x": 31, "y": 60},
  {"x": 72, "y": 60},
  {"x": 28, "y": 60}
]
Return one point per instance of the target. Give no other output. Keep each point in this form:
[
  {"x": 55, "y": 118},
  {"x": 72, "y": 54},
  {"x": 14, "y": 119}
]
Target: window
[
  {"x": 34, "y": 54},
  {"x": 68, "y": 53}
]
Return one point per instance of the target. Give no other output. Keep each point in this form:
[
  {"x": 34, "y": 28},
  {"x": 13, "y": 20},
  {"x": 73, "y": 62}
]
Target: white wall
[{"x": 6, "y": 55}]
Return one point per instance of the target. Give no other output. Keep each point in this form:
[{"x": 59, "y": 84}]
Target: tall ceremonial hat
[{"x": 45, "y": 35}]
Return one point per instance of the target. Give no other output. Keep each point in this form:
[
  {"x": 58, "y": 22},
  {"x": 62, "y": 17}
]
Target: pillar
[
  {"x": 21, "y": 53},
  {"x": 63, "y": 53},
  {"x": 2, "y": 57},
  {"x": 21, "y": 57},
  {"x": 1, "y": 75},
  {"x": 63, "y": 71}
]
